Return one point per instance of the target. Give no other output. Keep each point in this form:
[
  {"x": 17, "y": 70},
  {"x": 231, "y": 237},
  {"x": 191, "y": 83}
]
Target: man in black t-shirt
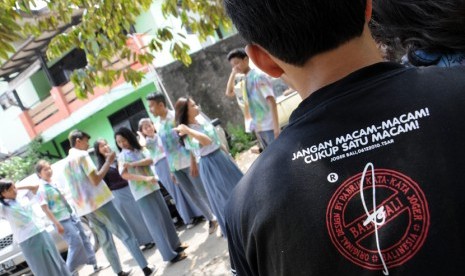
[{"x": 367, "y": 179}]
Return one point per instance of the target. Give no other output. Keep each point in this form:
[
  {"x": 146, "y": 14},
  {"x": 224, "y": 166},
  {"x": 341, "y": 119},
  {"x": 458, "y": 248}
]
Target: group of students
[{"x": 123, "y": 198}]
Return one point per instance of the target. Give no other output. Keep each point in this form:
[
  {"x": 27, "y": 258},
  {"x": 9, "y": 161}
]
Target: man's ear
[{"x": 262, "y": 59}]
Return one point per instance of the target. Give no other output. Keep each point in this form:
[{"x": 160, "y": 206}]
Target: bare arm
[
  {"x": 194, "y": 167},
  {"x": 140, "y": 163},
  {"x": 32, "y": 188},
  {"x": 52, "y": 217},
  {"x": 274, "y": 113},
  {"x": 231, "y": 82},
  {"x": 96, "y": 177},
  {"x": 137, "y": 177},
  {"x": 203, "y": 139}
]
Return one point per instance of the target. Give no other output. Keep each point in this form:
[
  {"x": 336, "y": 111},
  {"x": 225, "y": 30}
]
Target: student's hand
[
  {"x": 60, "y": 228},
  {"x": 182, "y": 130},
  {"x": 235, "y": 71},
  {"x": 152, "y": 179},
  {"x": 111, "y": 157},
  {"x": 127, "y": 165},
  {"x": 194, "y": 171},
  {"x": 175, "y": 181}
]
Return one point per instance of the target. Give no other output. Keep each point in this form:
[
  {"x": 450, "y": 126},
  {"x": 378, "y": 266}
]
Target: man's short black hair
[
  {"x": 237, "y": 53},
  {"x": 156, "y": 97},
  {"x": 76, "y": 134},
  {"x": 296, "y": 30}
]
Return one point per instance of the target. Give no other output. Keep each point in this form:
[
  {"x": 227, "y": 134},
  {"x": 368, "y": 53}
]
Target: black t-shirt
[
  {"x": 114, "y": 180},
  {"x": 306, "y": 205}
]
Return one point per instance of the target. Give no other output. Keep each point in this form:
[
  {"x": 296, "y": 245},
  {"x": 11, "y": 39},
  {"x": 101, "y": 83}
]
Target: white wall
[
  {"x": 13, "y": 135},
  {"x": 164, "y": 57}
]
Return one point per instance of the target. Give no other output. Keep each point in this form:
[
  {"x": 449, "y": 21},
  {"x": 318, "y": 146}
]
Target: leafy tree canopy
[{"x": 103, "y": 30}]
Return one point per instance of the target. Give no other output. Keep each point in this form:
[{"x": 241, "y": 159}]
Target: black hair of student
[
  {"x": 296, "y": 30},
  {"x": 181, "y": 109},
  {"x": 40, "y": 165},
  {"x": 237, "y": 53},
  {"x": 4, "y": 185},
  {"x": 156, "y": 97},
  {"x": 128, "y": 135},
  {"x": 100, "y": 157},
  {"x": 76, "y": 134},
  {"x": 430, "y": 25}
]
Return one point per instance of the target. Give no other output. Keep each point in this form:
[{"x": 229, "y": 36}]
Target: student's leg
[
  {"x": 187, "y": 187},
  {"x": 118, "y": 226},
  {"x": 106, "y": 241},
  {"x": 186, "y": 209},
  {"x": 85, "y": 241},
  {"x": 265, "y": 137},
  {"x": 76, "y": 252},
  {"x": 43, "y": 257},
  {"x": 156, "y": 214}
]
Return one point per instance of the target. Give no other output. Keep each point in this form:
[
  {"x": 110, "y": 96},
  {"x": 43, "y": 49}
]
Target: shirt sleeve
[
  {"x": 146, "y": 153},
  {"x": 41, "y": 196},
  {"x": 87, "y": 164},
  {"x": 121, "y": 161},
  {"x": 265, "y": 86}
]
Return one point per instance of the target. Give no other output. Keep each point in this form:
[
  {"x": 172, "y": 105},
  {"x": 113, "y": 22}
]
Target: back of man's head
[
  {"x": 237, "y": 53},
  {"x": 296, "y": 30},
  {"x": 76, "y": 134},
  {"x": 156, "y": 97}
]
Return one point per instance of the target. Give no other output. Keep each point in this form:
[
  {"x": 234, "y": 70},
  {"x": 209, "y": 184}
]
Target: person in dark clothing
[
  {"x": 124, "y": 201},
  {"x": 367, "y": 177}
]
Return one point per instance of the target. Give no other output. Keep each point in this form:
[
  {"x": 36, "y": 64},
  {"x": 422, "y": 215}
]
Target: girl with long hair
[
  {"x": 134, "y": 165},
  {"x": 36, "y": 244},
  {"x": 186, "y": 209},
  {"x": 124, "y": 201},
  {"x": 218, "y": 172}
]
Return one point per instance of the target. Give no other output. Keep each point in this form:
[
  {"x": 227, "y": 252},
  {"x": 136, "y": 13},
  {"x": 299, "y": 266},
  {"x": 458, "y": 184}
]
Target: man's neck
[
  {"x": 165, "y": 113},
  {"x": 331, "y": 66}
]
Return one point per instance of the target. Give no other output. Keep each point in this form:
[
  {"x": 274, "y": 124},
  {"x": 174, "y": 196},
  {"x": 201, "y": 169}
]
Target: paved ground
[{"x": 207, "y": 254}]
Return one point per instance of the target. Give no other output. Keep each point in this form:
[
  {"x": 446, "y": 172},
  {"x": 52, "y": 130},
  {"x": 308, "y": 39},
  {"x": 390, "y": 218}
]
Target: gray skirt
[
  {"x": 219, "y": 175},
  {"x": 127, "y": 206},
  {"x": 186, "y": 209},
  {"x": 43, "y": 257}
]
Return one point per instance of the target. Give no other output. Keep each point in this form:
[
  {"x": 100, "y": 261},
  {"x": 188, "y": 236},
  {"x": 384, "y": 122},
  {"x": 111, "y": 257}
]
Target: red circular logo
[{"x": 384, "y": 225}]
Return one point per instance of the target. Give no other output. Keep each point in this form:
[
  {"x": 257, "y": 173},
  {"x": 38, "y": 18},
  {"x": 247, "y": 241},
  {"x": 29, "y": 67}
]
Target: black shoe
[
  {"x": 149, "y": 270},
  {"x": 148, "y": 246},
  {"x": 181, "y": 256},
  {"x": 125, "y": 273},
  {"x": 182, "y": 247}
]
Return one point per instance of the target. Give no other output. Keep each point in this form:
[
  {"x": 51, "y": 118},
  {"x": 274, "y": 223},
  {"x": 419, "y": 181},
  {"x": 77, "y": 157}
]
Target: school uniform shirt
[
  {"x": 24, "y": 223},
  {"x": 49, "y": 195},
  {"x": 139, "y": 189},
  {"x": 367, "y": 178},
  {"x": 193, "y": 144},
  {"x": 85, "y": 196},
  {"x": 154, "y": 146},
  {"x": 258, "y": 87},
  {"x": 178, "y": 157}
]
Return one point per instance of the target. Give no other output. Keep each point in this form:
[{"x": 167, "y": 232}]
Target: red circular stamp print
[{"x": 383, "y": 235}]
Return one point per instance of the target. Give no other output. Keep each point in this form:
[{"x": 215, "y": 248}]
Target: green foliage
[
  {"x": 16, "y": 168},
  {"x": 239, "y": 139},
  {"x": 102, "y": 33}
]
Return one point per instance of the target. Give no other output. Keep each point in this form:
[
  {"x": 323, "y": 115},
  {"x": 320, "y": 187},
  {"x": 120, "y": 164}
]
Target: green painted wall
[
  {"x": 41, "y": 84},
  {"x": 98, "y": 125}
]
